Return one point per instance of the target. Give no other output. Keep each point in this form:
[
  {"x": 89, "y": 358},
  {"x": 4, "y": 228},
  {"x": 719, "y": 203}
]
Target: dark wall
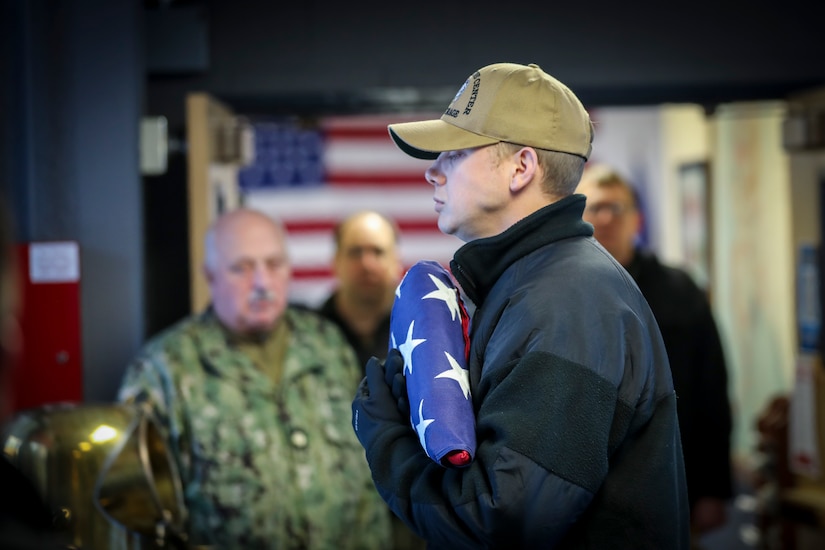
[
  {"x": 73, "y": 83},
  {"x": 345, "y": 56}
]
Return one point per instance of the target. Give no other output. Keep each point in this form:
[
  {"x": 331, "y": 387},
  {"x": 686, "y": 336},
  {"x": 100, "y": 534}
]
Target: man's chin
[
  {"x": 367, "y": 290},
  {"x": 261, "y": 325},
  {"x": 258, "y": 333}
]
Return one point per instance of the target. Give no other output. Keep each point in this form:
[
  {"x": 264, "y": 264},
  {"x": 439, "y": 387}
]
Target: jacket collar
[{"x": 478, "y": 264}]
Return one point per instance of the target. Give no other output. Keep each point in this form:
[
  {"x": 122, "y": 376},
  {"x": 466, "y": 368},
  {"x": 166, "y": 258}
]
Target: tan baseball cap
[{"x": 509, "y": 102}]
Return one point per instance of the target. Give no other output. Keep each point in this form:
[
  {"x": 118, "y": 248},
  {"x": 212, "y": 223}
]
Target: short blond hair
[{"x": 562, "y": 171}]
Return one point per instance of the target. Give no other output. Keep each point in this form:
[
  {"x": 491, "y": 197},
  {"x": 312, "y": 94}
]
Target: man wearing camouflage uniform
[{"x": 255, "y": 396}]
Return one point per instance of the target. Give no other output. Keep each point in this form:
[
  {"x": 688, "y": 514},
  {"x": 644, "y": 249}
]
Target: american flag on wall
[{"x": 312, "y": 173}]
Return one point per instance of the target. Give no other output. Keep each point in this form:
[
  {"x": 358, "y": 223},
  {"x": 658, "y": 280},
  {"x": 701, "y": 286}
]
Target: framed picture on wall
[{"x": 694, "y": 196}]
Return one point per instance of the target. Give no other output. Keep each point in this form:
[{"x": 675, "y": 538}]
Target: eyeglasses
[{"x": 616, "y": 209}]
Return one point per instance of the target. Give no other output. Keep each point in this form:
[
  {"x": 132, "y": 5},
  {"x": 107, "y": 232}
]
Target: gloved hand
[
  {"x": 375, "y": 408},
  {"x": 394, "y": 376}
]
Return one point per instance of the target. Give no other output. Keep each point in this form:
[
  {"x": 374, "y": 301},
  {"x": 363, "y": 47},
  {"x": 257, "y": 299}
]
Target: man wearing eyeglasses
[{"x": 691, "y": 338}]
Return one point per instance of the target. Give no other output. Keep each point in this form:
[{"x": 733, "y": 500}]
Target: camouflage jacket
[{"x": 262, "y": 466}]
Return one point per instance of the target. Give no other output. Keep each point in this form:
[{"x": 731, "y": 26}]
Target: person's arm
[{"x": 542, "y": 455}]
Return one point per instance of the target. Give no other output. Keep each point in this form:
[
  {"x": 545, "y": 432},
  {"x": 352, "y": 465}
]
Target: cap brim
[{"x": 426, "y": 139}]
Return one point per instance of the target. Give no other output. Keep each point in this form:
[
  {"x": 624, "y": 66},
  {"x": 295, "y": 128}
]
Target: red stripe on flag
[
  {"x": 324, "y": 273},
  {"x": 353, "y": 179},
  {"x": 358, "y": 132},
  {"x": 311, "y": 273},
  {"x": 297, "y": 226}
]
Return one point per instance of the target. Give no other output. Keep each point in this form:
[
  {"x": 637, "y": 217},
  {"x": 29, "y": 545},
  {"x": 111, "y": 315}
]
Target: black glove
[
  {"x": 395, "y": 379},
  {"x": 375, "y": 408}
]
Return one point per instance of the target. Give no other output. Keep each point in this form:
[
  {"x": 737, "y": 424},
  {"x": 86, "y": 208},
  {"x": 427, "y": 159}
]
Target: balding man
[
  {"x": 367, "y": 268},
  {"x": 255, "y": 397}
]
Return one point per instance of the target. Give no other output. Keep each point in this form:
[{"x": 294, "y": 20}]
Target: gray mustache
[{"x": 261, "y": 295}]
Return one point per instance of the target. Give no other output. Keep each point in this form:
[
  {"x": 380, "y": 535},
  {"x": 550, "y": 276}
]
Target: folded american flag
[{"x": 430, "y": 327}]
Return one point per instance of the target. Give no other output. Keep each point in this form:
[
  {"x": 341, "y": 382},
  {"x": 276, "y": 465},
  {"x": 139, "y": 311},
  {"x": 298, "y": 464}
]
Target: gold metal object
[{"x": 105, "y": 472}]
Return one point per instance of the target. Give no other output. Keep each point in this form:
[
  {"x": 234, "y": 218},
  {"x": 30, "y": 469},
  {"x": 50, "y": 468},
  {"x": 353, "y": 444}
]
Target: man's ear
[{"x": 525, "y": 168}]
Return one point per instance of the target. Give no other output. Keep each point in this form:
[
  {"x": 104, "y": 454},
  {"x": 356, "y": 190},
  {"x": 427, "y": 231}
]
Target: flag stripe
[
  {"x": 370, "y": 156},
  {"x": 328, "y": 225},
  {"x": 383, "y": 178},
  {"x": 331, "y": 202}
]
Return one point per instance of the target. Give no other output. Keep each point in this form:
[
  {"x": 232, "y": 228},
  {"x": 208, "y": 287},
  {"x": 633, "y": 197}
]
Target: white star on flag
[
  {"x": 457, "y": 373},
  {"x": 408, "y": 346},
  {"x": 422, "y": 425},
  {"x": 448, "y": 294},
  {"x": 398, "y": 288}
]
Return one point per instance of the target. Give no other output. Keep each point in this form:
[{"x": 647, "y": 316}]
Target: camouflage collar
[{"x": 220, "y": 358}]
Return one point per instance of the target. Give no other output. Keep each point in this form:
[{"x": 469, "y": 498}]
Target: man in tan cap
[{"x": 578, "y": 439}]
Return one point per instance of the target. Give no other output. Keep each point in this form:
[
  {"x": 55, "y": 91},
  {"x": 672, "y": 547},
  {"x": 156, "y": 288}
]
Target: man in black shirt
[
  {"x": 691, "y": 338},
  {"x": 367, "y": 269}
]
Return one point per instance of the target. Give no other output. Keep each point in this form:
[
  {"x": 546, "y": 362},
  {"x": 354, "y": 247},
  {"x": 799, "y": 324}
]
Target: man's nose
[
  {"x": 369, "y": 258},
  {"x": 434, "y": 175},
  {"x": 261, "y": 276}
]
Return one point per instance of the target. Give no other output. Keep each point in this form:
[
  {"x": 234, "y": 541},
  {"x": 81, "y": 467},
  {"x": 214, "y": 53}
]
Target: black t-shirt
[{"x": 379, "y": 343}]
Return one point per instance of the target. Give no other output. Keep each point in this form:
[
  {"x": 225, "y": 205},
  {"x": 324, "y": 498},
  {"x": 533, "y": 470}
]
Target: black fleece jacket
[{"x": 578, "y": 440}]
